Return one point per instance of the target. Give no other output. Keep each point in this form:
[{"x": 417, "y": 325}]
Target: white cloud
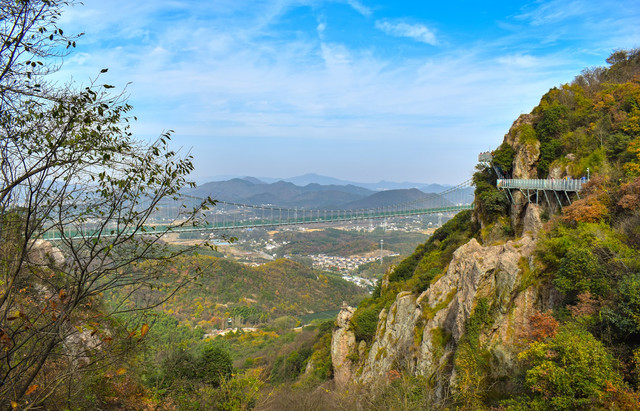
[
  {"x": 556, "y": 11},
  {"x": 418, "y": 32},
  {"x": 359, "y": 7},
  {"x": 519, "y": 60}
]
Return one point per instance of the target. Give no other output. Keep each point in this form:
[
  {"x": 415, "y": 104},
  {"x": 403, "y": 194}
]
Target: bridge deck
[
  {"x": 541, "y": 184},
  {"x": 533, "y": 187},
  {"x": 255, "y": 222}
]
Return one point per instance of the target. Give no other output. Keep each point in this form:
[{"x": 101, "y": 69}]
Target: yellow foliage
[
  {"x": 633, "y": 121},
  {"x": 588, "y": 210},
  {"x": 633, "y": 167}
]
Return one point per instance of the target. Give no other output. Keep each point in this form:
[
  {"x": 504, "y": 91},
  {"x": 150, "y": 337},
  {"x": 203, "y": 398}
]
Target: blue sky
[{"x": 364, "y": 90}]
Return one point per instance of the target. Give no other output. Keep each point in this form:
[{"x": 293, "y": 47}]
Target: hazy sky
[{"x": 364, "y": 90}]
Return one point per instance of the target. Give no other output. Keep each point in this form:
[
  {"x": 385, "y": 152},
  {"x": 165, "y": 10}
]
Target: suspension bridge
[{"x": 169, "y": 215}]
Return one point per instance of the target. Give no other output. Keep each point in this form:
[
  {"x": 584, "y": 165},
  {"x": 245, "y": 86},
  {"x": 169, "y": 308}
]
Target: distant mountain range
[
  {"x": 281, "y": 193},
  {"x": 312, "y": 178},
  {"x": 331, "y": 195}
]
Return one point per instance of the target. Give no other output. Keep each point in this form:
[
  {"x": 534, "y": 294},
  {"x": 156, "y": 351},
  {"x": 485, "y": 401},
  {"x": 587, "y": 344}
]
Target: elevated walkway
[
  {"x": 540, "y": 184},
  {"x": 533, "y": 188}
]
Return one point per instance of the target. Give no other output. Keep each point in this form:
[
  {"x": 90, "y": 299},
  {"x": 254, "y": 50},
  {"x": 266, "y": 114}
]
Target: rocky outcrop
[
  {"x": 521, "y": 137},
  {"x": 527, "y": 150},
  {"x": 343, "y": 343},
  {"x": 560, "y": 169},
  {"x": 532, "y": 223},
  {"x": 419, "y": 334},
  {"x": 42, "y": 252}
]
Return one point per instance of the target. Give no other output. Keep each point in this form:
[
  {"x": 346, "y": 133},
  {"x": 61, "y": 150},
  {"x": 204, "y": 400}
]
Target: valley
[{"x": 358, "y": 251}]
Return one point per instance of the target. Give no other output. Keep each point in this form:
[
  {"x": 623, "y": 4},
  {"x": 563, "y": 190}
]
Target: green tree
[
  {"x": 580, "y": 271},
  {"x": 489, "y": 201},
  {"x": 214, "y": 365},
  {"x": 365, "y": 322},
  {"x": 551, "y": 125},
  {"x": 503, "y": 157},
  {"x": 573, "y": 370},
  {"x": 625, "y": 315}
]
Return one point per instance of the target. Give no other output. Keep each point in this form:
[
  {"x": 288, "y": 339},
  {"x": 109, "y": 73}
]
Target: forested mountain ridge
[
  {"x": 521, "y": 306},
  {"x": 280, "y": 193}
]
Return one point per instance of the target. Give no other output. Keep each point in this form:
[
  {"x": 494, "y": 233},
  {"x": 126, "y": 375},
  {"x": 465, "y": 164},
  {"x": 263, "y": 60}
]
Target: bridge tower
[{"x": 486, "y": 159}]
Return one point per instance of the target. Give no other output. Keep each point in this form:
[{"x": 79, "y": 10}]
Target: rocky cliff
[{"x": 420, "y": 333}]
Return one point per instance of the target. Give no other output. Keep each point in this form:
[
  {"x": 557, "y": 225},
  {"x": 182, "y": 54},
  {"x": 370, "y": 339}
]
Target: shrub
[
  {"x": 589, "y": 210},
  {"x": 580, "y": 271},
  {"x": 573, "y": 370},
  {"x": 214, "y": 365},
  {"x": 503, "y": 157},
  {"x": 365, "y": 322},
  {"x": 626, "y": 318}
]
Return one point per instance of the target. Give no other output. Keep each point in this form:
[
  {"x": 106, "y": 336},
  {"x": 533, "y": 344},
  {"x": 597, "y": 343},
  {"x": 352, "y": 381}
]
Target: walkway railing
[{"x": 540, "y": 184}]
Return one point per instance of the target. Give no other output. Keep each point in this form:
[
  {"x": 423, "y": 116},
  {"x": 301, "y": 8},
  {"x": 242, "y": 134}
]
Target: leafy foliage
[
  {"x": 490, "y": 203},
  {"x": 580, "y": 271},
  {"x": 572, "y": 370},
  {"x": 364, "y": 323},
  {"x": 472, "y": 359},
  {"x": 503, "y": 157},
  {"x": 214, "y": 365}
]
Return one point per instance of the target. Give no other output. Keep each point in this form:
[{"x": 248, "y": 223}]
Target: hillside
[
  {"x": 390, "y": 197},
  {"x": 312, "y": 178},
  {"x": 224, "y": 288},
  {"x": 520, "y": 305}
]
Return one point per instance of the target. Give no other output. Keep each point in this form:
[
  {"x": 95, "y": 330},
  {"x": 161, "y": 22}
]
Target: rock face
[
  {"x": 531, "y": 223},
  {"x": 44, "y": 253},
  {"x": 527, "y": 151},
  {"x": 343, "y": 342},
  {"x": 419, "y": 333},
  {"x": 525, "y": 160}
]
